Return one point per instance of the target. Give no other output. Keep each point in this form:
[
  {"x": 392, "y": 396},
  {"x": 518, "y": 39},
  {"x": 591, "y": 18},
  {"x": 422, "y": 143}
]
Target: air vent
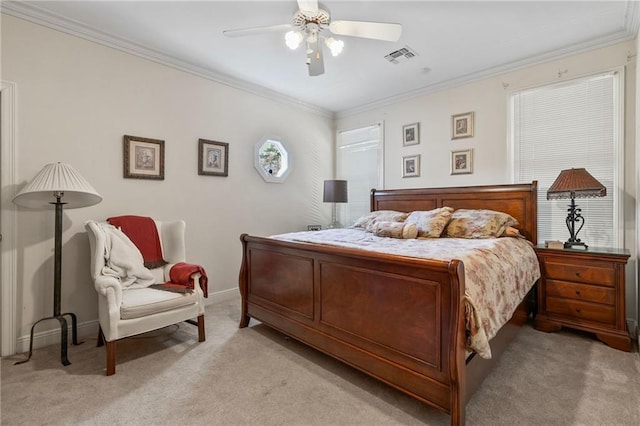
[{"x": 401, "y": 55}]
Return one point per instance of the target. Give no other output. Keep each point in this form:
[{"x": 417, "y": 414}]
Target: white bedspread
[{"x": 499, "y": 272}]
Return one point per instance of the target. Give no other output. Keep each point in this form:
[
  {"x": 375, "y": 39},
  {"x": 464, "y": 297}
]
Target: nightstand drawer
[
  {"x": 604, "y": 314},
  {"x": 584, "y": 273},
  {"x": 589, "y": 293}
]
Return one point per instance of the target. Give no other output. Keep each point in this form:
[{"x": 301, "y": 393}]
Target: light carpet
[{"x": 257, "y": 376}]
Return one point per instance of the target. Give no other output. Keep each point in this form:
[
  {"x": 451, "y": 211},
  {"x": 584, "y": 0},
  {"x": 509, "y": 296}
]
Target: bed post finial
[{"x": 372, "y": 202}]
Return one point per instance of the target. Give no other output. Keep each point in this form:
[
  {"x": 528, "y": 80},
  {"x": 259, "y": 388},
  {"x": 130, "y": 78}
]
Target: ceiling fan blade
[
  {"x": 308, "y": 7},
  {"x": 375, "y": 30},
  {"x": 315, "y": 60},
  {"x": 257, "y": 30}
]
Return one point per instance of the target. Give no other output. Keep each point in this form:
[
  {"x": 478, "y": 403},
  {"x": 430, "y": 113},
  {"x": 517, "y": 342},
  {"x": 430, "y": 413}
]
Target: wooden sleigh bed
[{"x": 353, "y": 305}]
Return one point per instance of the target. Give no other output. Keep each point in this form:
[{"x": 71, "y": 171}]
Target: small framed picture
[
  {"x": 411, "y": 134},
  {"x": 314, "y": 227},
  {"x": 143, "y": 158},
  {"x": 411, "y": 166},
  {"x": 462, "y": 125},
  {"x": 462, "y": 162},
  {"x": 213, "y": 158}
]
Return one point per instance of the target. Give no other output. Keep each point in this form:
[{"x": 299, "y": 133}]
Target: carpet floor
[{"x": 257, "y": 376}]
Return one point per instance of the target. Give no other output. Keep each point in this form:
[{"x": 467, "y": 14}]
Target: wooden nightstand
[{"x": 584, "y": 289}]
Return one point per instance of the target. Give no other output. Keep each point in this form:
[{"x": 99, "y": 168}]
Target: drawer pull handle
[
  {"x": 578, "y": 310},
  {"x": 578, "y": 292},
  {"x": 577, "y": 273}
]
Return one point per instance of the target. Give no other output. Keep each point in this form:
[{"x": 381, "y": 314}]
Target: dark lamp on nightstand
[
  {"x": 572, "y": 184},
  {"x": 335, "y": 191}
]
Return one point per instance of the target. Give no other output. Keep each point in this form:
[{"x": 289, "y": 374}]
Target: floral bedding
[{"x": 498, "y": 271}]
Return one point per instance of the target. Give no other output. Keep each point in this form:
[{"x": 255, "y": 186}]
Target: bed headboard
[{"x": 518, "y": 200}]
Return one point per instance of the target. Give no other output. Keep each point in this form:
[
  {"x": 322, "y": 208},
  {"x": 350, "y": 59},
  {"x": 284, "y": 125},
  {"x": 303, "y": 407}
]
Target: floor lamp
[
  {"x": 57, "y": 185},
  {"x": 335, "y": 191}
]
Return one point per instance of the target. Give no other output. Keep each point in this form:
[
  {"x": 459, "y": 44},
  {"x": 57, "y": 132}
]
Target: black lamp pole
[
  {"x": 57, "y": 292},
  {"x": 574, "y": 216}
]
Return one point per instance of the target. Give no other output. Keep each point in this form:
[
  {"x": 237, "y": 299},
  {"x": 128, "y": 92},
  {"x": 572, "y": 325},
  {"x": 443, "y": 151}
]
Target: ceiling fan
[{"x": 309, "y": 22}]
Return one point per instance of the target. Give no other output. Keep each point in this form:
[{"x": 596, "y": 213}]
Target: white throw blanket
[{"x": 123, "y": 260}]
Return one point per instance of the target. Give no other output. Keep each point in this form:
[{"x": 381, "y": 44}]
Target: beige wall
[
  {"x": 75, "y": 101},
  {"x": 488, "y": 99}
]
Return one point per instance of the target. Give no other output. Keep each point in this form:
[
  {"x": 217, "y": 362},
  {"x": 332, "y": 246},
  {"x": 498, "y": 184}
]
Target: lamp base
[
  {"x": 574, "y": 217},
  {"x": 57, "y": 291},
  {"x": 574, "y": 244},
  {"x": 335, "y": 225},
  {"x": 63, "y": 337}
]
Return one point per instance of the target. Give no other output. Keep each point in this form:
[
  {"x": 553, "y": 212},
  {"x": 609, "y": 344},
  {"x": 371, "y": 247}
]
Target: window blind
[
  {"x": 560, "y": 126},
  {"x": 358, "y": 162}
]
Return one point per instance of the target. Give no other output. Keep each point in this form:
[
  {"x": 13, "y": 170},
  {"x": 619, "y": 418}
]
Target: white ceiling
[{"x": 456, "y": 41}]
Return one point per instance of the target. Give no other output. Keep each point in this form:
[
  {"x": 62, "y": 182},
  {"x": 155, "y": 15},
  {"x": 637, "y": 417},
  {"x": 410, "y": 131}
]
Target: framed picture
[
  {"x": 314, "y": 227},
  {"x": 462, "y": 125},
  {"x": 213, "y": 158},
  {"x": 411, "y": 166},
  {"x": 143, "y": 158},
  {"x": 462, "y": 162},
  {"x": 411, "y": 134}
]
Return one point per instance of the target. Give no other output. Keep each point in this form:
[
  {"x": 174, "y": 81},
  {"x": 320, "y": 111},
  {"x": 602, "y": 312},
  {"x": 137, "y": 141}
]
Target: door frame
[{"x": 8, "y": 218}]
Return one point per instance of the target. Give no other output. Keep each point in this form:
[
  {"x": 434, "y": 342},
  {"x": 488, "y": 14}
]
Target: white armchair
[{"x": 125, "y": 312}]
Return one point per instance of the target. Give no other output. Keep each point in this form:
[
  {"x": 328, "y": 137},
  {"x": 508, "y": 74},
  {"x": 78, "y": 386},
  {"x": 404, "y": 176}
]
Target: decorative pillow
[
  {"x": 430, "y": 223},
  {"x": 478, "y": 224},
  {"x": 510, "y": 231},
  {"x": 395, "y": 229},
  {"x": 379, "y": 216}
]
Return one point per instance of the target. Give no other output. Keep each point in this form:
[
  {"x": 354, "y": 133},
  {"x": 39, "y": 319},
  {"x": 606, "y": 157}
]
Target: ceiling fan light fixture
[
  {"x": 334, "y": 45},
  {"x": 309, "y": 27},
  {"x": 312, "y": 38},
  {"x": 293, "y": 39}
]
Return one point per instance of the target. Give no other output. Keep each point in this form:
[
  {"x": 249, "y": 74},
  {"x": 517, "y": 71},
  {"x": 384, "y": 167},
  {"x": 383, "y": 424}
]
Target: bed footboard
[{"x": 398, "y": 319}]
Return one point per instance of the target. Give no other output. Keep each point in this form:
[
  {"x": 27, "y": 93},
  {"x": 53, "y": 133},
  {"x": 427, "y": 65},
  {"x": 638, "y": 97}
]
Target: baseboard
[
  {"x": 632, "y": 326},
  {"x": 223, "y": 296},
  {"x": 90, "y": 328}
]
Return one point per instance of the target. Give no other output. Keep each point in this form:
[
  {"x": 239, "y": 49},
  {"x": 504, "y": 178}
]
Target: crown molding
[
  {"x": 46, "y": 18},
  {"x": 40, "y": 16},
  {"x": 628, "y": 33}
]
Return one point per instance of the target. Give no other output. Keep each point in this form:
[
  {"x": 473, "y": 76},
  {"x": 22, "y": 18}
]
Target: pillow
[
  {"x": 478, "y": 224},
  {"x": 380, "y": 215},
  {"x": 430, "y": 223},
  {"x": 395, "y": 229},
  {"x": 510, "y": 231}
]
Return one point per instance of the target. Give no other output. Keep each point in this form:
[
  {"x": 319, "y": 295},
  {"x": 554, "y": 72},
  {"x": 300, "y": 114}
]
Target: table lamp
[
  {"x": 575, "y": 183},
  {"x": 335, "y": 191},
  {"x": 57, "y": 185}
]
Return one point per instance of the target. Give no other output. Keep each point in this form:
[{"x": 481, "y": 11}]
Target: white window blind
[
  {"x": 358, "y": 161},
  {"x": 573, "y": 124}
]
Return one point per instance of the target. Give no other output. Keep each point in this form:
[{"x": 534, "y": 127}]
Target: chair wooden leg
[
  {"x": 201, "y": 335},
  {"x": 111, "y": 358}
]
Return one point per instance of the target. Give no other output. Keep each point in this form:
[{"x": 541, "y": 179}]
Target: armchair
[{"x": 127, "y": 311}]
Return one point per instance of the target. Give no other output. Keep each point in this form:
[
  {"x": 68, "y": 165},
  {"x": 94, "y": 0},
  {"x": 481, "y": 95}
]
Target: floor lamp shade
[
  {"x": 57, "y": 185},
  {"x": 57, "y": 179}
]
